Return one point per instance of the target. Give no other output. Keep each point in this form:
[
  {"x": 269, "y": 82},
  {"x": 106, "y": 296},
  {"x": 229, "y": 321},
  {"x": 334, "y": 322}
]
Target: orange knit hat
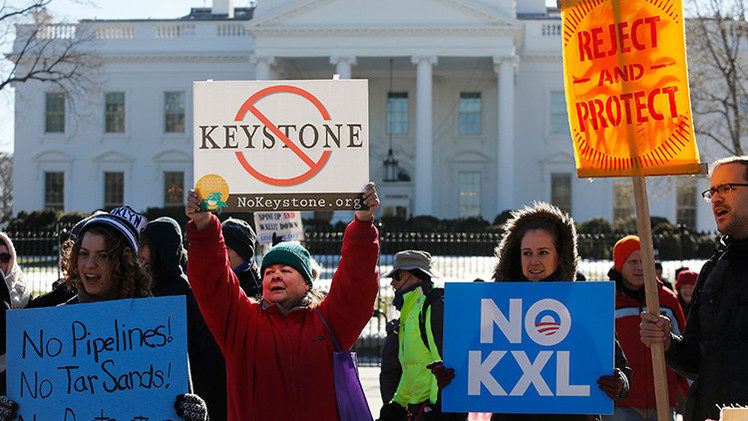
[{"x": 623, "y": 249}]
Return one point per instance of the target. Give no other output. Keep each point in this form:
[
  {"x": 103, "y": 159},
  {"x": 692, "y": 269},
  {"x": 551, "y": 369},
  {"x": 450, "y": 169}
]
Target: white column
[
  {"x": 262, "y": 66},
  {"x": 505, "y": 152},
  {"x": 424, "y": 185},
  {"x": 223, "y": 7},
  {"x": 343, "y": 65}
]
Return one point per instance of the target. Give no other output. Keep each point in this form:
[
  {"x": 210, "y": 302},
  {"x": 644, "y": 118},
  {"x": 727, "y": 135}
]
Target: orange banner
[{"x": 627, "y": 87}]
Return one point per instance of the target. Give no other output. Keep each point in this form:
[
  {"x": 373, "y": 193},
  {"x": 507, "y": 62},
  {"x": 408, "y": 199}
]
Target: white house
[{"x": 468, "y": 95}]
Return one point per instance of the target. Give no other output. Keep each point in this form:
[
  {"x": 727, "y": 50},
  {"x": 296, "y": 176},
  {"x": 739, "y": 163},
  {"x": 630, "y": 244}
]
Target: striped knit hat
[{"x": 127, "y": 223}]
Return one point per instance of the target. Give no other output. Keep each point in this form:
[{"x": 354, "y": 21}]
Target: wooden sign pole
[{"x": 650, "y": 290}]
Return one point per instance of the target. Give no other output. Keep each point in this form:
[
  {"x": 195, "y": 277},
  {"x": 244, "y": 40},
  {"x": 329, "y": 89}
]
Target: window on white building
[
  {"x": 470, "y": 113},
  {"x": 54, "y": 112},
  {"x": 623, "y": 198},
  {"x": 397, "y": 112},
  {"x": 114, "y": 189},
  {"x": 685, "y": 202},
  {"x": 470, "y": 194},
  {"x": 559, "y": 119},
  {"x": 398, "y": 211},
  {"x": 561, "y": 191},
  {"x": 174, "y": 112},
  {"x": 173, "y": 188},
  {"x": 54, "y": 190},
  {"x": 114, "y": 110}
]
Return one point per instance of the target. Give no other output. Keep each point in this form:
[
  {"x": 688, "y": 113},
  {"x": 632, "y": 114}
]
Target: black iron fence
[{"x": 457, "y": 257}]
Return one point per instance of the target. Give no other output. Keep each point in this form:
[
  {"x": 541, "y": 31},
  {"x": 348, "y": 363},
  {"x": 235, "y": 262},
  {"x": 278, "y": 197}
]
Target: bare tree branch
[
  {"x": 44, "y": 51},
  {"x": 715, "y": 35}
]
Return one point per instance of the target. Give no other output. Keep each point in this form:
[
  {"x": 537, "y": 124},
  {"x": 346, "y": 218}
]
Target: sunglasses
[
  {"x": 397, "y": 277},
  {"x": 4, "y": 257}
]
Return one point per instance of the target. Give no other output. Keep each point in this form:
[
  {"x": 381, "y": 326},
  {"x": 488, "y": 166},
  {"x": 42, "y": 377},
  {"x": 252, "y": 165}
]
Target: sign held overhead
[{"x": 281, "y": 145}]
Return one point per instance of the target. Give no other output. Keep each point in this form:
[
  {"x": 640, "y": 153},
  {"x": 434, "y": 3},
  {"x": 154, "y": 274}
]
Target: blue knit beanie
[{"x": 291, "y": 254}]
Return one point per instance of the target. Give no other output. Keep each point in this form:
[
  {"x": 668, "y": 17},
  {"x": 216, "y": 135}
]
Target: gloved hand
[
  {"x": 8, "y": 409},
  {"x": 443, "y": 375},
  {"x": 191, "y": 407},
  {"x": 393, "y": 411},
  {"x": 612, "y": 384}
]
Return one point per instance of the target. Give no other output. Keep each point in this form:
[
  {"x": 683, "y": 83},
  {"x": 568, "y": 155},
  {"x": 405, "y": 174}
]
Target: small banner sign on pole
[
  {"x": 627, "y": 88},
  {"x": 271, "y": 146},
  {"x": 528, "y": 347},
  {"x": 286, "y": 225},
  {"x": 112, "y": 360}
]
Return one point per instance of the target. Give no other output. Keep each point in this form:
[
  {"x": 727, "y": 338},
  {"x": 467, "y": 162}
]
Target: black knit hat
[{"x": 239, "y": 235}]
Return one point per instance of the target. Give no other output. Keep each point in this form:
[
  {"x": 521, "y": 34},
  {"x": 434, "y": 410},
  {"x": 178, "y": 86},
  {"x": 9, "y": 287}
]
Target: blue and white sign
[
  {"x": 528, "y": 347},
  {"x": 114, "y": 360}
]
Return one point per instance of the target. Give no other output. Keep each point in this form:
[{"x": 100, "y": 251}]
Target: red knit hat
[
  {"x": 686, "y": 277},
  {"x": 623, "y": 249}
]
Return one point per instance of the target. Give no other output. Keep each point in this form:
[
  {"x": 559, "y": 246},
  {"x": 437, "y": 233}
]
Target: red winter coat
[
  {"x": 279, "y": 367},
  {"x": 628, "y": 310}
]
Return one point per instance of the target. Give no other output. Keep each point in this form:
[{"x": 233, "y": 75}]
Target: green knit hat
[{"x": 291, "y": 254}]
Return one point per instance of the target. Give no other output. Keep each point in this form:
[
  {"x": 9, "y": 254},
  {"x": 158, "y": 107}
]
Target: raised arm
[
  {"x": 192, "y": 209},
  {"x": 371, "y": 199},
  {"x": 350, "y": 302}
]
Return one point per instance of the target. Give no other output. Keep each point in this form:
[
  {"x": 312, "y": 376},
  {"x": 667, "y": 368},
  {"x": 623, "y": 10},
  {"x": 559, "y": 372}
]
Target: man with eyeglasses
[
  {"x": 419, "y": 339},
  {"x": 713, "y": 349}
]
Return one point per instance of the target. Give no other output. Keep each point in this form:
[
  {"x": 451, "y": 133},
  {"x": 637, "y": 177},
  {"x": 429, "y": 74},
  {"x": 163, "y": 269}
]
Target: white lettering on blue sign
[{"x": 542, "y": 328}]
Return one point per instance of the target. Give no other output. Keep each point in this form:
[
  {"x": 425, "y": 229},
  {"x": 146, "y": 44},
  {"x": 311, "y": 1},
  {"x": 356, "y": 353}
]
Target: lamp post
[
  {"x": 390, "y": 163},
  {"x": 390, "y": 167}
]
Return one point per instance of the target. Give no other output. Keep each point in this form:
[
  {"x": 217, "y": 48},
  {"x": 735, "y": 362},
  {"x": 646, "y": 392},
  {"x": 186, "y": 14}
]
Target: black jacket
[
  {"x": 250, "y": 281},
  {"x": 207, "y": 365},
  {"x": 714, "y": 344},
  {"x": 391, "y": 370}
]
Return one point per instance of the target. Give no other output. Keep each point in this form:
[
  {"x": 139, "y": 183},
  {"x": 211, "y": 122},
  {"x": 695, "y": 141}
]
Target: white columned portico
[
  {"x": 343, "y": 65},
  {"x": 424, "y": 185},
  {"x": 262, "y": 66},
  {"x": 505, "y": 152}
]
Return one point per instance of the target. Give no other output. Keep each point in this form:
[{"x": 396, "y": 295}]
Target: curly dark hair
[{"x": 132, "y": 279}]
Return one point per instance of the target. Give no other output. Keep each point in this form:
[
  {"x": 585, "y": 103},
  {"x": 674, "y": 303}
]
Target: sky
[{"x": 72, "y": 10}]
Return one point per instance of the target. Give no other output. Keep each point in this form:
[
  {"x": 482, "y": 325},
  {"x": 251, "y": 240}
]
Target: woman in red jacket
[{"x": 278, "y": 353}]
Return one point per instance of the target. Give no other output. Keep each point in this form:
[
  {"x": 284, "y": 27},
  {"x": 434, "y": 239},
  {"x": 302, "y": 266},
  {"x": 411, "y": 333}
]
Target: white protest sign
[
  {"x": 283, "y": 224},
  {"x": 293, "y": 145},
  {"x": 111, "y": 360}
]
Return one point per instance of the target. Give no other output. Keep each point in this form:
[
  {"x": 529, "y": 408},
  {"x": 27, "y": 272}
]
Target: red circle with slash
[{"x": 314, "y": 167}]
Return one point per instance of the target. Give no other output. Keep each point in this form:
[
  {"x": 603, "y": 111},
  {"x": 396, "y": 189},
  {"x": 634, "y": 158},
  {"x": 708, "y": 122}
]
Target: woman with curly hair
[
  {"x": 540, "y": 245},
  {"x": 101, "y": 263}
]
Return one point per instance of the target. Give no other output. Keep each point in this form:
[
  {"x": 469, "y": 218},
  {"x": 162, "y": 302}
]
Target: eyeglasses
[
  {"x": 722, "y": 189},
  {"x": 4, "y": 257}
]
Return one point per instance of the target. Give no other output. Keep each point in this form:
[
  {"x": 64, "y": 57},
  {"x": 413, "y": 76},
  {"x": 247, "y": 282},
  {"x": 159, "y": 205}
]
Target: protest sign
[
  {"x": 528, "y": 347},
  {"x": 286, "y": 225},
  {"x": 114, "y": 360},
  {"x": 281, "y": 145},
  {"x": 627, "y": 88}
]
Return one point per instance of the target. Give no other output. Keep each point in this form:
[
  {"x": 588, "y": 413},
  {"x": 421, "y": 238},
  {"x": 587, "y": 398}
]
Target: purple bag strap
[{"x": 334, "y": 341}]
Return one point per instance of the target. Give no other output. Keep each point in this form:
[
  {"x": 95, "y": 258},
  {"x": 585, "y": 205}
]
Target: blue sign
[
  {"x": 528, "y": 347},
  {"x": 123, "y": 360}
]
